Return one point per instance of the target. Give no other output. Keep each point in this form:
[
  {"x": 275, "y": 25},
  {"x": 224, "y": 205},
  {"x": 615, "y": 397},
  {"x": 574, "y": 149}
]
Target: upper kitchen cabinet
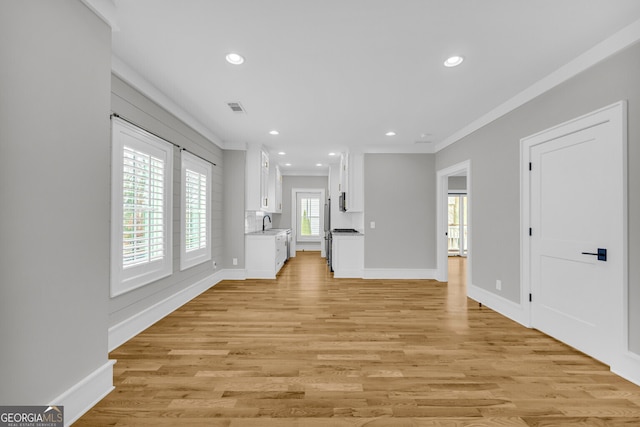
[
  {"x": 257, "y": 179},
  {"x": 352, "y": 180},
  {"x": 275, "y": 190}
]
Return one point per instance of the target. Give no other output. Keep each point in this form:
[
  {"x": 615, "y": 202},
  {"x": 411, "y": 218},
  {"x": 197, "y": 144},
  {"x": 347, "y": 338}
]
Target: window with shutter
[
  {"x": 195, "y": 247},
  {"x": 141, "y": 207}
]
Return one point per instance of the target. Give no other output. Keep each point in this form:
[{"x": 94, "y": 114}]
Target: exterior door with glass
[{"x": 457, "y": 225}]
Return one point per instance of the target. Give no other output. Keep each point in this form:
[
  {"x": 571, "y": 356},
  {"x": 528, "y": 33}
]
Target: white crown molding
[
  {"x": 415, "y": 148},
  {"x": 614, "y": 44},
  {"x": 287, "y": 171},
  {"x": 132, "y": 77},
  {"x": 241, "y": 146},
  {"x": 105, "y": 10}
]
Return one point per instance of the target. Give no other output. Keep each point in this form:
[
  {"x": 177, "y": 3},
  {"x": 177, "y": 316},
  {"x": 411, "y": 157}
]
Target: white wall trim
[
  {"x": 105, "y": 10},
  {"x": 126, "y": 73},
  {"x": 349, "y": 273},
  {"x": 235, "y": 274},
  {"x": 400, "y": 273},
  {"x": 608, "y": 47},
  {"x": 129, "y": 328},
  {"x": 628, "y": 367},
  {"x": 86, "y": 393},
  {"x": 505, "y": 307}
]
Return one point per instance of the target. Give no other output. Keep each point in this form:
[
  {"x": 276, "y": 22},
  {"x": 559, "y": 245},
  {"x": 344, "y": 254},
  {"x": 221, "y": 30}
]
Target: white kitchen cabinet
[
  {"x": 344, "y": 172},
  {"x": 355, "y": 195},
  {"x": 352, "y": 180},
  {"x": 275, "y": 190},
  {"x": 257, "y": 179},
  {"x": 265, "y": 253},
  {"x": 347, "y": 255}
]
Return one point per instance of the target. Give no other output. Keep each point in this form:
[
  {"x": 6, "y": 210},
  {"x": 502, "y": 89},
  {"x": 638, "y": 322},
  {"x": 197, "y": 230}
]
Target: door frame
[
  {"x": 442, "y": 196},
  {"x": 616, "y": 114},
  {"x": 294, "y": 217}
]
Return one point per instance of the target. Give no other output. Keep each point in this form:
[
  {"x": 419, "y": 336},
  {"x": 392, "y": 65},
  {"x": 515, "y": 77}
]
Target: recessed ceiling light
[
  {"x": 234, "y": 58},
  {"x": 281, "y": 153},
  {"x": 332, "y": 154},
  {"x": 274, "y": 132},
  {"x": 318, "y": 164},
  {"x": 287, "y": 164},
  {"x": 453, "y": 61},
  {"x": 390, "y": 133}
]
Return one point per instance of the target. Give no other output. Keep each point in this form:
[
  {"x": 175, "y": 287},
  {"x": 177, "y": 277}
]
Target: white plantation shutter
[
  {"x": 143, "y": 202},
  {"x": 195, "y": 211},
  {"x": 195, "y": 246},
  {"x": 141, "y": 207},
  {"x": 309, "y": 216}
]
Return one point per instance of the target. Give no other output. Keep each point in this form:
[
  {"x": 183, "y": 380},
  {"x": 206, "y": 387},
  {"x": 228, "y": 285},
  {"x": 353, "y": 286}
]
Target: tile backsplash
[{"x": 253, "y": 221}]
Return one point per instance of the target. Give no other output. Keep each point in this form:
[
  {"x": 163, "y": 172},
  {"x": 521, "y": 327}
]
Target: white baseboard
[
  {"x": 628, "y": 367},
  {"x": 85, "y": 394},
  {"x": 399, "y": 273},
  {"x": 235, "y": 274},
  {"x": 129, "y": 328},
  {"x": 348, "y": 274},
  {"x": 507, "y": 308},
  {"x": 260, "y": 274}
]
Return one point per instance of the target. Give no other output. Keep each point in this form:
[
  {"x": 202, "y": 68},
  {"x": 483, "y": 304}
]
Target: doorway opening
[
  {"x": 457, "y": 223},
  {"x": 307, "y": 219},
  {"x": 454, "y": 220}
]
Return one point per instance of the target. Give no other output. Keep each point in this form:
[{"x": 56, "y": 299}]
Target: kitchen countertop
[
  {"x": 346, "y": 233},
  {"x": 268, "y": 232}
]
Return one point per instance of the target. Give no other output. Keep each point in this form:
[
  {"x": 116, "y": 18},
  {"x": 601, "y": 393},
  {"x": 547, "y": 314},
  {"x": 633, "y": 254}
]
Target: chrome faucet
[{"x": 265, "y": 216}]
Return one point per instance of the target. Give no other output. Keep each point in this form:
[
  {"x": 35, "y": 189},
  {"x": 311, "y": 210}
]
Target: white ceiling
[{"x": 335, "y": 75}]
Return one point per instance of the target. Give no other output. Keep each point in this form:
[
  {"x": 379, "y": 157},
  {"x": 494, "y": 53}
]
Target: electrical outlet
[
  {"x": 372, "y": 224},
  {"x": 235, "y": 261},
  {"x": 499, "y": 285},
  {"x": 214, "y": 264}
]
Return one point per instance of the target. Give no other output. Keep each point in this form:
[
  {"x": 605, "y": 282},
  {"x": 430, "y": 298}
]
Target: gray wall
[
  {"x": 457, "y": 183},
  {"x": 54, "y": 192},
  {"x": 495, "y": 174},
  {"x": 233, "y": 208},
  {"x": 400, "y": 195},
  {"x": 132, "y": 105},
  {"x": 290, "y": 182}
]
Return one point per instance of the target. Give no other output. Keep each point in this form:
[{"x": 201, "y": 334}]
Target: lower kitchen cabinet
[
  {"x": 265, "y": 253},
  {"x": 348, "y": 255}
]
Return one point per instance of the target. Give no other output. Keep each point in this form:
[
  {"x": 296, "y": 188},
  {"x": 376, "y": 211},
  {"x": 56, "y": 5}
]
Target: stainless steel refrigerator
[{"x": 327, "y": 231}]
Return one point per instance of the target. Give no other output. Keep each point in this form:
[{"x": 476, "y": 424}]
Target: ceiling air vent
[{"x": 236, "y": 107}]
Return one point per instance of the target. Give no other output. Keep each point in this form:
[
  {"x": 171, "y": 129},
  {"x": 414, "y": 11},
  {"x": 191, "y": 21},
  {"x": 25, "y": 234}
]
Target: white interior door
[{"x": 577, "y": 209}]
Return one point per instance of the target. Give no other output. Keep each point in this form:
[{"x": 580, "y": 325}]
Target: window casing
[
  {"x": 195, "y": 224},
  {"x": 141, "y": 211}
]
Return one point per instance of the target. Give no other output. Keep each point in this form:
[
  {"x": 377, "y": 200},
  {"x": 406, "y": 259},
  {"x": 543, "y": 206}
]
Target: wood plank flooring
[{"x": 310, "y": 350}]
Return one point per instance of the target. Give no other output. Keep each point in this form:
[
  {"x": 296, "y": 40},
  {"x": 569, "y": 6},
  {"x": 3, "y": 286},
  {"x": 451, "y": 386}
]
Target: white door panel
[{"x": 576, "y": 207}]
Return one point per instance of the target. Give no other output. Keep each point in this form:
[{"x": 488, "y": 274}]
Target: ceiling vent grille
[{"x": 236, "y": 107}]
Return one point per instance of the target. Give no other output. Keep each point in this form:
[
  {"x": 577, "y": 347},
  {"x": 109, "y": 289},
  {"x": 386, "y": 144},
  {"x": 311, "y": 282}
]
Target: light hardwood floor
[{"x": 310, "y": 350}]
